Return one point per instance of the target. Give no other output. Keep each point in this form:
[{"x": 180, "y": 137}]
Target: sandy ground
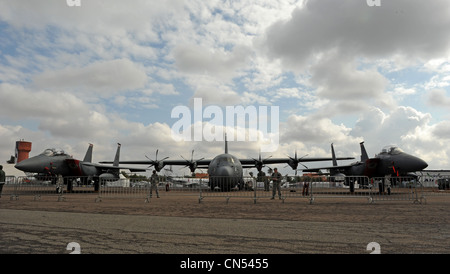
[{"x": 179, "y": 224}]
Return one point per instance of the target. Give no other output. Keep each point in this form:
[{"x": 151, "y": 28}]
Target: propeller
[
  {"x": 294, "y": 161},
  {"x": 191, "y": 164},
  {"x": 259, "y": 164},
  {"x": 158, "y": 164}
]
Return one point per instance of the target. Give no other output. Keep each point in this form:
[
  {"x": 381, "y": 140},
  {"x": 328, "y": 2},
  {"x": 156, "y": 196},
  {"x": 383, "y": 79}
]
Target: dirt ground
[
  {"x": 334, "y": 225},
  {"x": 434, "y": 210}
]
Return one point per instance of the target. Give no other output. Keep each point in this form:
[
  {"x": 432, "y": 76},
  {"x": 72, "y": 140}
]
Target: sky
[{"x": 112, "y": 71}]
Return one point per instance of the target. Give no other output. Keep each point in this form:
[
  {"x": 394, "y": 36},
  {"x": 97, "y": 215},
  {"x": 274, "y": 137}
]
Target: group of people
[{"x": 276, "y": 182}]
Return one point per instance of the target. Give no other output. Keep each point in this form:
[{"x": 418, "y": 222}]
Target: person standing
[
  {"x": 276, "y": 183},
  {"x": 263, "y": 178},
  {"x": 154, "y": 181},
  {"x": 2, "y": 179}
]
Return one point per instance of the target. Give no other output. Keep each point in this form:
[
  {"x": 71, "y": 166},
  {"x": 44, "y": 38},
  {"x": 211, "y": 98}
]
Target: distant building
[
  {"x": 201, "y": 175},
  {"x": 22, "y": 151}
]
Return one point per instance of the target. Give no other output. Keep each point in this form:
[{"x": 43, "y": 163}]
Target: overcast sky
[{"x": 112, "y": 71}]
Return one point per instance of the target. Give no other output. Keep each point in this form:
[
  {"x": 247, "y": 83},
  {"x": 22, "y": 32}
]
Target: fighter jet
[
  {"x": 54, "y": 162},
  {"x": 390, "y": 161},
  {"x": 226, "y": 170}
]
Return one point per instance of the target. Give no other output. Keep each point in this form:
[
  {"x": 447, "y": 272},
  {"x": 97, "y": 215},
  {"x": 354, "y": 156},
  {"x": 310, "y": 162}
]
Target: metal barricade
[
  {"x": 435, "y": 184},
  {"x": 142, "y": 188},
  {"x": 397, "y": 189},
  {"x": 9, "y": 187},
  {"x": 341, "y": 187},
  {"x": 122, "y": 188},
  {"x": 34, "y": 186},
  {"x": 293, "y": 187},
  {"x": 226, "y": 187},
  {"x": 249, "y": 187}
]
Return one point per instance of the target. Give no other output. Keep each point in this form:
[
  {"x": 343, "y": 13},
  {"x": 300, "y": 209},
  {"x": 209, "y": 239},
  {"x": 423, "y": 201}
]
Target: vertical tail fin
[
  {"x": 226, "y": 144},
  {"x": 116, "y": 158},
  {"x": 364, "y": 155},
  {"x": 333, "y": 155},
  {"x": 88, "y": 156}
]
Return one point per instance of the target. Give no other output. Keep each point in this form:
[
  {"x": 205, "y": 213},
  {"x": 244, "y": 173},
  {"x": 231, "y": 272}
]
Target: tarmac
[{"x": 175, "y": 224}]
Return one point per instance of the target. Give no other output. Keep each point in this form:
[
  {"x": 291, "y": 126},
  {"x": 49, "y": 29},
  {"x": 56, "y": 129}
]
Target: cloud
[
  {"x": 307, "y": 129},
  {"x": 338, "y": 70},
  {"x": 105, "y": 77},
  {"x": 339, "y": 79},
  {"x": 395, "y": 127},
  {"x": 198, "y": 60},
  {"x": 95, "y": 16},
  {"x": 439, "y": 98},
  {"x": 59, "y": 113},
  {"x": 20, "y": 103},
  {"x": 396, "y": 28},
  {"x": 442, "y": 130}
]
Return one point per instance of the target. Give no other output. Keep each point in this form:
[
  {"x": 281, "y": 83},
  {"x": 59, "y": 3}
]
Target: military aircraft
[
  {"x": 54, "y": 162},
  {"x": 391, "y": 161},
  {"x": 225, "y": 170}
]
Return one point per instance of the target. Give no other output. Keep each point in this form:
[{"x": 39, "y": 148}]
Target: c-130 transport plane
[{"x": 225, "y": 170}]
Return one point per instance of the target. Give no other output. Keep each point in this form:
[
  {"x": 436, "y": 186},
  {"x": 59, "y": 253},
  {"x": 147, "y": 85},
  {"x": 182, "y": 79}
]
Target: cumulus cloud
[
  {"x": 439, "y": 98},
  {"x": 395, "y": 127},
  {"x": 396, "y": 28},
  {"x": 61, "y": 114},
  {"x": 198, "y": 60},
  {"x": 19, "y": 103},
  {"x": 339, "y": 70},
  {"x": 339, "y": 78},
  {"x": 311, "y": 130},
  {"x": 105, "y": 77}
]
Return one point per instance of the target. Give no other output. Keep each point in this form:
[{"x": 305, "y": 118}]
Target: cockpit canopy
[
  {"x": 391, "y": 150},
  {"x": 226, "y": 159},
  {"x": 50, "y": 152}
]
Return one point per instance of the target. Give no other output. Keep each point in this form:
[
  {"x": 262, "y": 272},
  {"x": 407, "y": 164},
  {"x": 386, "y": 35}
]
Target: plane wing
[
  {"x": 204, "y": 163},
  {"x": 327, "y": 167},
  {"x": 246, "y": 163},
  {"x": 132, "y": 169},
  {"x": 288, "y": 160}
]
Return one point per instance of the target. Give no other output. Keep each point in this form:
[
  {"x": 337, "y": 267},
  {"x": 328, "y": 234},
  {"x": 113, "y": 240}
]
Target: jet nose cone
[
  {"x": 417, "y": 164},
  {"x": 21, "y": 165},
  {"x": 27, "y": 165},
  {"x": 422, "y": 164}
]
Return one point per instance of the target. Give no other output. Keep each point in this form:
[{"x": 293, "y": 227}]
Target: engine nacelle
[
  {"x": 339, "y": 177},
  {"x": 293, "y": 164},
  {"x": 106, "y": 176}
]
